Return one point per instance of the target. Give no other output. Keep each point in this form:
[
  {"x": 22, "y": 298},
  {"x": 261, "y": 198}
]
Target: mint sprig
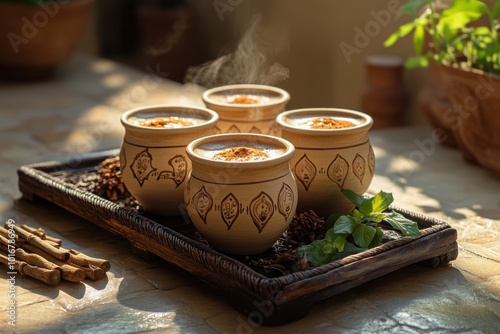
[{"x": 358, "y": 231}]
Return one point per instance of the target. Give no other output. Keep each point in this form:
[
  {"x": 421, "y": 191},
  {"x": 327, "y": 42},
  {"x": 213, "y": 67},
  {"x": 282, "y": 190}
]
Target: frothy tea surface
[
  {"x": 166, "y": 122},
  {"x": 244, "y": 99},
  {"x": 239, "y": 151},
  {"x": 322, "y": 122}
]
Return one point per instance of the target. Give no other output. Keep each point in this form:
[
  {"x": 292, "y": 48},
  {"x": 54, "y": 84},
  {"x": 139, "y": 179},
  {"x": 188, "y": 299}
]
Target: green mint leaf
[
  {"x": 318, "y": 252},
  {"x": 408, "y": 227},
  {"x": 381, "y": 201},
  {"x": 376, "y": 204},
  {"x": 417, "y": 61},
  {"x": 363, "y": 235},
  {"x": 353, "y": 197},
  {"x": 496, "y": 9},
  {"x": 375, "y": 218},
  {"x": 419, "y": 39},
  {"x": 377, "y": 239},
  {"x": 339, "y": 242},
  {"x": 356, "y": 214},
  {"x": 402, "y": 31},
  {"x": 413, "y": 6},
  {"x": 345, "y": 225},
  {"x": 330, "y": 221}
]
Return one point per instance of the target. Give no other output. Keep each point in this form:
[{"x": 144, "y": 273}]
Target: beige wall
[{"x": 312, "y": 32}]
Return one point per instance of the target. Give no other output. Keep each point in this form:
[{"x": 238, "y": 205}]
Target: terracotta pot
[
  {"x": 384, "y": 96},
  {"x": 328, "y": 160},
  {"x": 476, "y": 98},
  {"x": 434, "y": 102},
  {"x": 153, "y": 160},
  {"x": 241, "y": 206},
  {"x": 38, "y": 38},
  {"x": 257, "y": 117}
]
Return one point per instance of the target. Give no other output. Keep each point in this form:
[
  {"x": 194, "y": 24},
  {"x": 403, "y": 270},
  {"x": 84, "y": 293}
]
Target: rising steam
[{"x": 248, "y": 64}]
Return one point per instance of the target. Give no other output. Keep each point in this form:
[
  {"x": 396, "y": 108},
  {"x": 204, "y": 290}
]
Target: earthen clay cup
[
  {"x": 153, "y": 161},
  {"x": 241, "y": 207}
]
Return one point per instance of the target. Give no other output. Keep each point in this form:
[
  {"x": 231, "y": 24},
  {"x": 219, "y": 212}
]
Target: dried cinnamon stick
[
  {"x": 43, "y": 245},
  {"x": 84, "y": 260},
  {"x": 35, "y": 259},
  {"x": 40, "y": 232},
  {"x": 49, "y": 276},
  {"x": 69, "y": 272},
  {"x": 5, "y": 233}
]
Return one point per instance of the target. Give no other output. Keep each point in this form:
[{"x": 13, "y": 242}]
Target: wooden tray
[{"x": 277, "y": 300}]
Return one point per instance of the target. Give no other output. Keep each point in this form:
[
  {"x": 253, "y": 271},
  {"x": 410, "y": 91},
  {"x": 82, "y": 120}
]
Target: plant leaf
[
  {"x": 345, "y": 224},
  {"x": 402, "y": 31},
  {"x": 419, "y": 39},
  {"x": 413, "y": 6},
  {"x": 381, "y": 201},
  {"x": 318, "y": 252},
  {"x": 408, "y": 227},
  {"x": 377, "y": 238},
  {"x": 458, "y": 15},
  {"x": 353, "y": 197},
  {"x": 363, "y": 235},
  {"x": 496, "y": 9},
  {"x": 417, "y": 61},
  {"x": 330, "y": 221}
]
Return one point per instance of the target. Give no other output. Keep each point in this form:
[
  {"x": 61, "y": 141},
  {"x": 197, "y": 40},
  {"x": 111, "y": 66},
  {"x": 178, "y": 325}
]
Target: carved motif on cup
[
  {"x": 305, "y": 171},
  {"x": 338, "y": 170},
  {"x": 285, "y": 200},
  {"x": 123, "y": 158},
  {"x": 203, "y": 203},
  {"x": 187, "y": 194},
  {"x": 358, "y": 167},
  {"x": 177, "y": 172},
  {"x": 371, "y": 160},
  {"x": 261, "y": 209},
  {"x": 255, "y": 129},
  {"x": 142, "y": 166},
  {"x": 233, "y": 129},
  {"x": 274, "y": 129},
  {"x": 229, "y": 210}
]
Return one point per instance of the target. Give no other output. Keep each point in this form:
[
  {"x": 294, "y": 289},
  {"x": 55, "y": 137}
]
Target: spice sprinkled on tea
[
  {"x": 329, "y": 123},
  {"x": 167, "y": 122},
  {"x": 245, "y": 99},
  {"x": 241, "y": 153}
]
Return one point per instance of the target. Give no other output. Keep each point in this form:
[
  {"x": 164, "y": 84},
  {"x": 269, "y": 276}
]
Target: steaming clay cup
[
  {"x": 240, "y": 206},
  {"x": 153, "y": 158},
  {"x": 328, "y": 159},
  {"x": 247, "y": 108}
]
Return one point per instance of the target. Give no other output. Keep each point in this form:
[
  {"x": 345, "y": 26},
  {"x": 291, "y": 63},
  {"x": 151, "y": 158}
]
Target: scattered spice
[
  {"x": 241, "y": 153},
  {"x": 329, "y": 123},
  {"x": 244, "y": 99},
  {"x": 106, "y": 181},
  {"x": 166, "y": 122}
]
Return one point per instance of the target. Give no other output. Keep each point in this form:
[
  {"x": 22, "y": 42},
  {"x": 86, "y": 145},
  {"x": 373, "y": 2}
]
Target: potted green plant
[
  {"x": 465, "y": 44},
  {"x": 39, "y": 35}
]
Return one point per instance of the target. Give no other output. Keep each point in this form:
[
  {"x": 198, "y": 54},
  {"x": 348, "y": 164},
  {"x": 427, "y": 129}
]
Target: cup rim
[
  {"x": 366, "y": 124},
  {"x": 284, "y": 98},
  {"x": 245, "y": 137},
  {"x": 214, "y": 117}
]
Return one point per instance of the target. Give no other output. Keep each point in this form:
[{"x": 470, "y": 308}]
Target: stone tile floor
[{"x": 78, "y": 111}]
